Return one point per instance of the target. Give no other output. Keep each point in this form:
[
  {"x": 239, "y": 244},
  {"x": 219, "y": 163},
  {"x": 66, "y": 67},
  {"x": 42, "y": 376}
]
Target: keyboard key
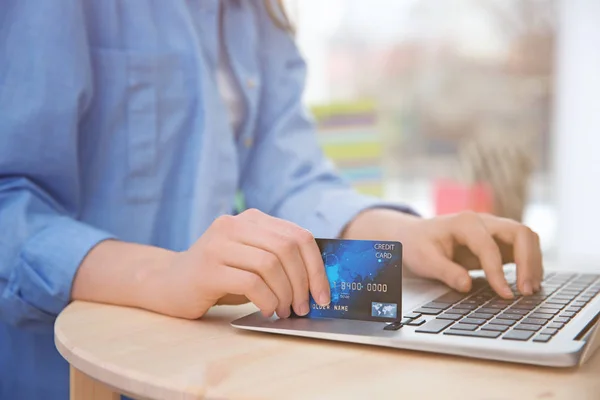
[
  {"x": 405, "y": 321},
  {"x": 565, "y": 294},
  {"x": 452, "y": 317},
  {"x": 464, "y": 327},
  {"x": 465, "y": 306},
  {"x": 579, "y": 303},
  {"x": 435, "y": 326},
  {"x": 514, "y": 317},
  {"x": 516, "y": 311},
  {"x": 555, "y": 325},
  {"x": 533, "y": 302},
  {"x": 547, "y": 310},
  {"x": 416, "y": 322},
  {"x": 569, "y": 291},
  {"x": 581, "y": 287},
  {"x": 497, "y": 306},
  {"x": 457, "y": 311},
  {"x": 553, "y": 306},
  {"x": 566, "y": 314},
  {"x": 573, "y": 309},
  {"x": 567, "y": 288},
  {"x": 527, "y": 307},
  {"x": 489, "y": 310},
  {"x": 412, "y": 315},
  {"x": 450, "y": 297},
  {"x": 540, "y": 315},
  {"x": 475, "y": 321},
  {"x": 481, "y": 334},
  {"x": 428, "y": 311},
  {"x": 564, "y": 275},
  {"x": 394, "y": 326},
  {"x": 569, "y": 295},
  {"x": 518, "y": 335},
  {"x": 566, "y": 297},
  {"x": 549, "y": 331},
  {"x": 561, "y": 319},
  {"x": 538, "y": 296},
  {"x": 495, "y": 327},
  {"x": 542, "y": 338},
  {"x": 501, "y": 302},
  {"x": 441, "y": 306},
  {"x": 507, "y": 322},
  {"x": 528, "y": 327},
  {"x": 534, "y": 321},
  {"x": 557, "y": 301},
  {"x": 481, "y": 315}
]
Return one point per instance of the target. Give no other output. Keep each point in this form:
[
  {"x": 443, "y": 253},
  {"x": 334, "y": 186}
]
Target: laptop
[{"x": 556, "y": 327}]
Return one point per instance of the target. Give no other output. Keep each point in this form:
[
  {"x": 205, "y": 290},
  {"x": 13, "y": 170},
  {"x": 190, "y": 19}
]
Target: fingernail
[
  {"x": 507, "y": 292},
  {"x": 527, "y": 291},
  {"x": 464, "y": 284},
  {"x": 303, "y": 308},
  {"x": 285, "y": 313},
  {"x": 324, "y": 299}
]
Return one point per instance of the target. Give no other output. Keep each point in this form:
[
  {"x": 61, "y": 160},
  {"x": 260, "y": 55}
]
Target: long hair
[{"x": 277, "y": 13}]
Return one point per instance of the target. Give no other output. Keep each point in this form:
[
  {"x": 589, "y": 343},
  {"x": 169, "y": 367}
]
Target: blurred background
[{"x": 453, "y": 105}]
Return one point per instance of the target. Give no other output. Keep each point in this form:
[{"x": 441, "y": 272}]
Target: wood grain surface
[{"x": 157, "y": 357}]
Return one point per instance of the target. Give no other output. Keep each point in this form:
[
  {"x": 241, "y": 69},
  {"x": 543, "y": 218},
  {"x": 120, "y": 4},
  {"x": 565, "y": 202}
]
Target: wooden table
[{"x": 119, "y": 350}]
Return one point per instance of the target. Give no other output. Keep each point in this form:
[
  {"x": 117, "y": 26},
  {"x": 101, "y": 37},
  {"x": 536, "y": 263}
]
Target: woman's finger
[
  {"x": 294, "y": 237},
  {"x": 229, "y": 280},
  {"x": 441, "y": 268},
  {"x": 264, "y": 264},
  {"x": 527, "y": 252},
  {"x": 256, "y": 229},
  {"x": 469, "y": 230},
  {"x": 311, "y": 256}
]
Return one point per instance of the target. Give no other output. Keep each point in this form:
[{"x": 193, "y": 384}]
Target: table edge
[{"x": 113, "y": 375}]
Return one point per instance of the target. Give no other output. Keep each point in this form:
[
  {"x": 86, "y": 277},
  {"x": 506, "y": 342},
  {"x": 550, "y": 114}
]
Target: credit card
[{"x": 365, "y": 278}]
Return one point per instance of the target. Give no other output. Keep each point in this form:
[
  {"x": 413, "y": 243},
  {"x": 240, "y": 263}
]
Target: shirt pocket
[{"x": 145, "y": 99}]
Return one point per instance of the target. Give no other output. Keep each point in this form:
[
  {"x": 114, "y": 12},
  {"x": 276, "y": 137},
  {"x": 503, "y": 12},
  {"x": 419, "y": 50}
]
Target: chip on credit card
[{"x": 365, "y": 278}]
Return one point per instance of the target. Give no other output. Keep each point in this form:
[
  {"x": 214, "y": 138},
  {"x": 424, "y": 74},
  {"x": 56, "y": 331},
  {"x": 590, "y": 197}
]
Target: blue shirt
[{"x": 111, "y": 125}]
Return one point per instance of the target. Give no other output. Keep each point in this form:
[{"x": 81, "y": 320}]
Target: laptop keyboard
[{"x": 481, "y": 313}]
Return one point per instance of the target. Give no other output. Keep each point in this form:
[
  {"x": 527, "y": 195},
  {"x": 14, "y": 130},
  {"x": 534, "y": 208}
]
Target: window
[{"x": 443, "y": 105}]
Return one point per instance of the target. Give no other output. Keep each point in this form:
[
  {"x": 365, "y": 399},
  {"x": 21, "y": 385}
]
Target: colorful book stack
[{"x": 349, "y": 136}]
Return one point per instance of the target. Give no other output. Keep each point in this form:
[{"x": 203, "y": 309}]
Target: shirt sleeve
[
  {"x": 288, "y": 175},
  {"x": 44, "y": 89}
]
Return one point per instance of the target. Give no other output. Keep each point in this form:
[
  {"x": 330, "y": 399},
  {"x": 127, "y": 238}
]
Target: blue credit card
[{"x": 365, "y": 278}]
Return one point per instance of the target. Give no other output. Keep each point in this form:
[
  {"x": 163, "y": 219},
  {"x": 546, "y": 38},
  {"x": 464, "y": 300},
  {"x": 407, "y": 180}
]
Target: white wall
[{"x": 577, "y": 132}]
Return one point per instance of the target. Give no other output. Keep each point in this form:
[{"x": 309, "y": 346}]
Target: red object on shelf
[{"x": 453, "y": 197}]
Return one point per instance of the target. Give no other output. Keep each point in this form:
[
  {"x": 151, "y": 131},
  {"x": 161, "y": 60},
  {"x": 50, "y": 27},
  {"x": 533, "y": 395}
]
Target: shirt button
[
  {"x": 248, "y": 142},
  {"x": 250, "y": 83}
]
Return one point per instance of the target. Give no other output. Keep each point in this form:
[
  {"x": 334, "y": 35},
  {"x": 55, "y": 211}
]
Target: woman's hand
[
  {"x": 269, "y": 261},
  {"x": 445, "y": 247}
]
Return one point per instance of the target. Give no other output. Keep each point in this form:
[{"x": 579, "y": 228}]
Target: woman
[{"x": 126, "y": 129}]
